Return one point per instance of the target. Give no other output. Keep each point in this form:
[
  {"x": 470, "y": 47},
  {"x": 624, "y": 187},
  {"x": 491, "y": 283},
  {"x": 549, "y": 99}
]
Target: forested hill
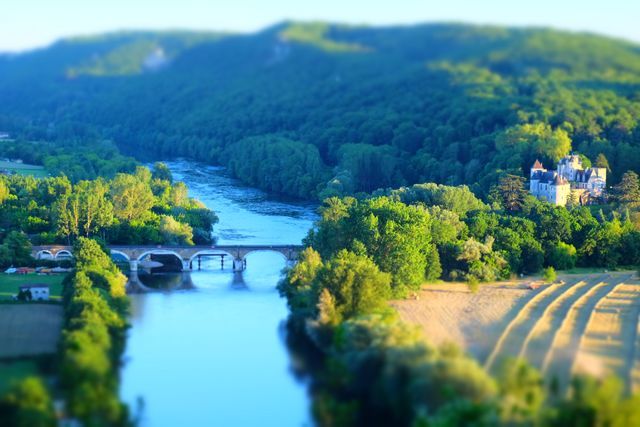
[{"x": 303, "y": 109}]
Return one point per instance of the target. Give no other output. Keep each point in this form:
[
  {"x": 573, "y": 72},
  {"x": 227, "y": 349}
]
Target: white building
[
  {"x": 570, "y": 178},
  {"x": 39, "y": 292}
]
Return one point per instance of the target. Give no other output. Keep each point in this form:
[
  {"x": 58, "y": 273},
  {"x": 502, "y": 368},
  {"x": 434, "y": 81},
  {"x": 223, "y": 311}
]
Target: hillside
[{"x": 306, "y": 108}]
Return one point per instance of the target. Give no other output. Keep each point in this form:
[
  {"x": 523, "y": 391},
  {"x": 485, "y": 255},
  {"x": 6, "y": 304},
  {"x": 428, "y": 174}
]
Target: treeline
[
  {"x": 76, "y": 160},
  {"x": 431, "y": 231},
  {"x": 93, "y": 339},
  {"x": 145, "y": 207},
  {"x": 368, "y": 368},
  {"x": 348, "y": 108}
]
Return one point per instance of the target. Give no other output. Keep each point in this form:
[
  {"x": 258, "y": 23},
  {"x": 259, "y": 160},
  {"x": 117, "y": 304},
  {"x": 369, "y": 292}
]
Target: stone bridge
[{"x": 186, "y": 254}]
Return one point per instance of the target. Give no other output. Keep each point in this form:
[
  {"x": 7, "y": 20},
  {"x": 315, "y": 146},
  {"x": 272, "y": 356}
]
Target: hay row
[{"x": 535, "y": 303}]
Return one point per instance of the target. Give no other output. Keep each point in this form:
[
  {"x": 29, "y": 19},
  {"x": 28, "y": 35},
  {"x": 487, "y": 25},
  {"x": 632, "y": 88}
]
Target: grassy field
[
  {"x": 10, "y": 283},
  {"x": 586, "y": 324},
  {"x": 29, "y": 329},
  {"x": 594, "y": 270},
  {"x": 23, "y": 169}
]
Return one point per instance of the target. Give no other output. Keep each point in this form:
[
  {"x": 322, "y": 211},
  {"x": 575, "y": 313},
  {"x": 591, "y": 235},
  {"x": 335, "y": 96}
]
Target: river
[{"x": 215, "y": 355}]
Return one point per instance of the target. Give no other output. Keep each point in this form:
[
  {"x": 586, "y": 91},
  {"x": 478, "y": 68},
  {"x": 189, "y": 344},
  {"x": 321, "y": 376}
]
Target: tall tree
[
  {"x": 132, "y": 196},
  {"x": 511, "y": 192},
  {"x": 602, "y": 162},
  {"x": 627, "y": 192},
  {"x": 355, "y": 284}
]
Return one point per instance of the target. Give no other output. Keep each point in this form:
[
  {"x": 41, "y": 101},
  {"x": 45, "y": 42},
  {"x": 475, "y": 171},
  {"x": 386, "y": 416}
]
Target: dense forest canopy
[{"x": 349, "y": 108}]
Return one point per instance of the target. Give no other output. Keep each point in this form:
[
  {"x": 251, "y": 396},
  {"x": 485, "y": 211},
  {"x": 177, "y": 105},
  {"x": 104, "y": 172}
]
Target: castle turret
[{"x": 537, "y": 167}]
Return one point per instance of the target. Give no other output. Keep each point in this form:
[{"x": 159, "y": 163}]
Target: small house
[{"x": 39, "y": 291}]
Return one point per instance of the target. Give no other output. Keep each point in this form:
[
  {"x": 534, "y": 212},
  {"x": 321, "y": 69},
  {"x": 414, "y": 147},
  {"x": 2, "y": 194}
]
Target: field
[
  {"x": 10, "y": 283},
  {"x": 23, "y": 169},
  {"x": 29, "y": 329},
  {"x": 587, "y": 323}
]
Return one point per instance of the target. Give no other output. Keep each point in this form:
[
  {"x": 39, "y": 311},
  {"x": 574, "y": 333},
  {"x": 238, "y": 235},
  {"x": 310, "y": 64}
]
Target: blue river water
[{"x": 215, "y": 355}]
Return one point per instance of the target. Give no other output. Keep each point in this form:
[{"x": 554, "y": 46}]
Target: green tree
[
  {"x": 27, "y": 404},
  {"x": 602, "y": 162},
  {"x": 522, "y": 392},
  {"x": 132, "y": 197},
  {"x": 537, "y": 139},
  {"x": 174, "y": 232},
  {"x": 395, "y": 236},
  {"x": 550, "y": 275},
  {"x": 511, "y": 192},
  {"x": 355, "y": 285},
  {"x": 562, "y": 256},
  {"x": 162, "y": 172},
  {"x": 18, "y": 248},
  {"x": 627, "y": 192},
  {"x": 179, "y": 194},
  {"x": 297, "y": 284},
  {"x": 85, "y": 211},
  {"x": 5, "y": 192}
]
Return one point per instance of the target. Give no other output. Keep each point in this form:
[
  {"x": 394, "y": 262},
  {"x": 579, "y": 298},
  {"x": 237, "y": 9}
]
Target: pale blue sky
[{"x": 32, "y": 23}]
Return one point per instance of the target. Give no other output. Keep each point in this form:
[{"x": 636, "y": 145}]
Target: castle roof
[
  {"x": 549, "y": 177},
  {"x": 537, "y": 165},
  {"x": 587, "y": 174},
  {"x": 559, "y": 180},
  {"x": 545, "y": 177}
]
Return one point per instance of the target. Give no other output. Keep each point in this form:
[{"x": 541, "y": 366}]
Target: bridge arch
[
  {"x": 160, "y": 252},
  {"x": 44, "y": 254},
  {"x": 267, "y": 250},
  {"x": 211, "y": 251},
  {"x": 120, "y": 253},
  {"x": 63, "y": 254}
]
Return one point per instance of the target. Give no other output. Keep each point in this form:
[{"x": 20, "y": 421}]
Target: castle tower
[{"x": 537, "y": 167}]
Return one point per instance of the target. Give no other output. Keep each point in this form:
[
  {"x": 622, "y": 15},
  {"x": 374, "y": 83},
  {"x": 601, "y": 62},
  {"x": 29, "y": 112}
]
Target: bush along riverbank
[
  {"x": 366, "y": 367},
  {"x": 93, "y": 341}
]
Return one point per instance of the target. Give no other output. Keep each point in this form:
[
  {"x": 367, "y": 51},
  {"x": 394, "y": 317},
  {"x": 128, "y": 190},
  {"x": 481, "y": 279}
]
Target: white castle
[{"x": 570, "y": 178}]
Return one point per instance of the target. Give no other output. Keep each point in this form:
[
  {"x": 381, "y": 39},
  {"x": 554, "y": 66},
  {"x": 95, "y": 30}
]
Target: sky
[{"x": 27, "y": 24}]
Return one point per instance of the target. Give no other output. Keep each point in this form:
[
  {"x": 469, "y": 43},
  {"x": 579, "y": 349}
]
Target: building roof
[
  {"x": 537, "y": 165},
  {"x": 550, "y": 177},
  {"x": 588, "y": 174},
  {"x": 559, "y": 180},
  {"x": 545, "y": 177},
  {"x": 34, "y": 285}
]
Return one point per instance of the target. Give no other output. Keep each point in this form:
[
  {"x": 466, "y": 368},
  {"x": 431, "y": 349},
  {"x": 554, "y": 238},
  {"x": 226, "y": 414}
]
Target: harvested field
[
  {"x": 449, "y": 312},
  {"x": 588, "y": 323},
  {"x": 609, "y": 340},
  {"x": 29, "y": 329}
]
